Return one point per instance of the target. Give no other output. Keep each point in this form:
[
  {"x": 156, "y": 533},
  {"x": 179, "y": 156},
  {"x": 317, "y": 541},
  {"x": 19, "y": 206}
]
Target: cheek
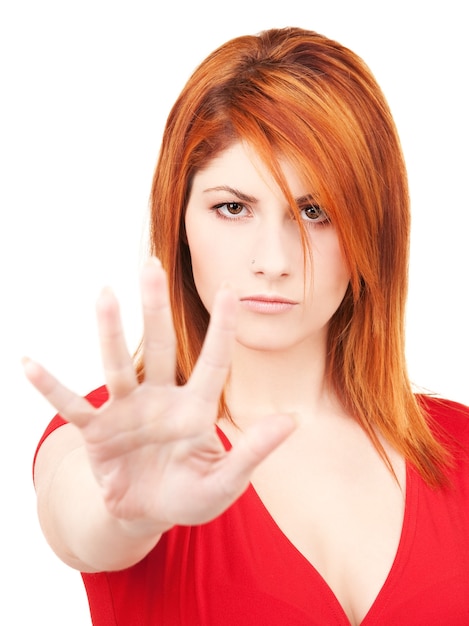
[
  {"x": 330, "y": 269},
  {"x": 340, "y": 274},
  {"x": 209, "y": 262},
  {"x": 341, "y": 269},
  {"x": 200, "y": 271}
]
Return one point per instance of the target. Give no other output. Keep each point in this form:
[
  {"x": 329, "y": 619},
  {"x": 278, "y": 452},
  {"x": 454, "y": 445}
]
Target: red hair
[{"x": 295, "y": 93}]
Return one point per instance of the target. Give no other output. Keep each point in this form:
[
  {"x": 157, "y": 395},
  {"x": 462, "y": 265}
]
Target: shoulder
[
  {"x": 444, "y": 410},
  {"x": 447, "y": 418}
]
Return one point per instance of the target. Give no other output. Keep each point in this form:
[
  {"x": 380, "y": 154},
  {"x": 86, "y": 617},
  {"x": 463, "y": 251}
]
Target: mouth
[{"x": 267, "y": 304}]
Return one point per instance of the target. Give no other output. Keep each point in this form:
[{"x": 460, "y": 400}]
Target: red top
[{"x": 241, "y": 570}]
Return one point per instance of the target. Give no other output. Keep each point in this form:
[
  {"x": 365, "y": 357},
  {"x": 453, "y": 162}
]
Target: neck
[{"x": 266, "y": 382}]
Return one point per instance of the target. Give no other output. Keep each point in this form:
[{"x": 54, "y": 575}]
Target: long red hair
[{"x": 296, "y": 93}]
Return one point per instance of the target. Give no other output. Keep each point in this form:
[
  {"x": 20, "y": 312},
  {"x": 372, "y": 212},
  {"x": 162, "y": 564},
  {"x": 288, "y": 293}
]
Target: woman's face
[{"x": 240, "y": 230}]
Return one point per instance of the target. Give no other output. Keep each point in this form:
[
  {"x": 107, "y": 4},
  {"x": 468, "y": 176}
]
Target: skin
[
  {"x": 325, "y": 486},
  {"x": 255, "y": 245},
  {"x": 114, "y": 479}
]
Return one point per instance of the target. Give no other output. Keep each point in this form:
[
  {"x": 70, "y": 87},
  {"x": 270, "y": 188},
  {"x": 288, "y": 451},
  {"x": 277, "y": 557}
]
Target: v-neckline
[{"x": 406, "y": 537}]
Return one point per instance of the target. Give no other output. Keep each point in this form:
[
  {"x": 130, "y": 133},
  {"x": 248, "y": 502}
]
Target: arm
[
  {"x": 73, "y": 515},
  {"x": 116, "y": 477}
]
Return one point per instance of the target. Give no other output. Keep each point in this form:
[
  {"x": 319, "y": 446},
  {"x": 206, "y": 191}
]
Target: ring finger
[{"x": 119, "y": 369}]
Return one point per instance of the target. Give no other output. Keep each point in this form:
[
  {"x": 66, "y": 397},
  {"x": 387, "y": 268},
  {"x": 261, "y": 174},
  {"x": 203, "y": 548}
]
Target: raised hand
[{"x": 153, "y": 447}]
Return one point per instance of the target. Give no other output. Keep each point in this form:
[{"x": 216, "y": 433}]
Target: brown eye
[
  {"x": 234, "y": 208},
  {"x": 231, "y": 210},
  {"x": 314, "y": 213}
]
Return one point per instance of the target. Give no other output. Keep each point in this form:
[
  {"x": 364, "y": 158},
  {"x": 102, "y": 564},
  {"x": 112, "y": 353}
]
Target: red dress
[{"x": 241, "y": 570}]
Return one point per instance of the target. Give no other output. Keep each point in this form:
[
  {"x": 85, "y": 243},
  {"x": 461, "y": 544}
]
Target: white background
[{"x": 85, "y": 91}]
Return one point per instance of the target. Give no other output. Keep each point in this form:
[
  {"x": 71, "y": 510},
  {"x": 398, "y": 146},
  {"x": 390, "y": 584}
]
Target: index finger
[{"x": 212, "y": 367}]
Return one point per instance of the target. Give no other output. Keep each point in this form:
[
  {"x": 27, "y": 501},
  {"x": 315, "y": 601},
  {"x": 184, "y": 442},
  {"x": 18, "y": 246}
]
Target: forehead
[{"x": 241, "y": 166}]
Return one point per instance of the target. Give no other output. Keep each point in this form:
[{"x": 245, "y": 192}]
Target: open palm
[{"x": 153, "y": 446}]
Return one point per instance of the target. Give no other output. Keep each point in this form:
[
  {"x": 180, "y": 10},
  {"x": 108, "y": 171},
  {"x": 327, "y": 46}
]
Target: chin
[{"x": 270, "y": 343}]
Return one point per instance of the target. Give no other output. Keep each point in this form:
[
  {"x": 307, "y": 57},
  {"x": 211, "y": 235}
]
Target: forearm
[{"x": 78, "y": 526}]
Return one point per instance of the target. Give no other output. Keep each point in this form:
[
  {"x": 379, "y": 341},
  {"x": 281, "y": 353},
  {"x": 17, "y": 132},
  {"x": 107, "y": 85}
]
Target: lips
[
  {"x": 267, "y": 303},
  {"x": 268, "y": 298}
]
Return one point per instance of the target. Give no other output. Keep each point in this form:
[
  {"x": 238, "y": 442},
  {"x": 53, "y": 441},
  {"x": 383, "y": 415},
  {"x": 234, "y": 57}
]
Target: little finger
[{"x": 71, "y": 406}]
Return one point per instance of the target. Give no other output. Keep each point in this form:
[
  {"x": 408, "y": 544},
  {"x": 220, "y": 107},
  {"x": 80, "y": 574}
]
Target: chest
[
  {"x": 338, "y": 504},
  {"x": 242, "y": 569}
]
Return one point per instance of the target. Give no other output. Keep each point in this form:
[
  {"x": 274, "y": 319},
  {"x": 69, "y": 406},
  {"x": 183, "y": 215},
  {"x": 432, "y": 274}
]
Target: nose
[{"x": 275, "y": 250}]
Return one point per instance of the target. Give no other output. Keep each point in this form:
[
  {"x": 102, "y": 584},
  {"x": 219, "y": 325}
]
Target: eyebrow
[
  {"x": 309, "y": 197},
  {"x": 235, "y": 192}
]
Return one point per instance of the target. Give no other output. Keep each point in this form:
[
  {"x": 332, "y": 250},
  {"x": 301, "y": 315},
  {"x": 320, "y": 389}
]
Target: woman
[{"x": 272, "y": 466}]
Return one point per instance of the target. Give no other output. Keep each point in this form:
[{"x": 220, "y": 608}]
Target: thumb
[{"x": 255, "y": 445}]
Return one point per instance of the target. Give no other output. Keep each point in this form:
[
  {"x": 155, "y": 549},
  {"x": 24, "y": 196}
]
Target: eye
[
  {"x": 230, "y": 210},
  {"x": 314, "y": 213}
]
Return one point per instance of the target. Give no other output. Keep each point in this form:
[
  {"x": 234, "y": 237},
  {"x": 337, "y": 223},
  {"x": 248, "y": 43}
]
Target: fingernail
[
  {"x": 106, "y": 291},
  {"x": 28, "y": 364}
]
